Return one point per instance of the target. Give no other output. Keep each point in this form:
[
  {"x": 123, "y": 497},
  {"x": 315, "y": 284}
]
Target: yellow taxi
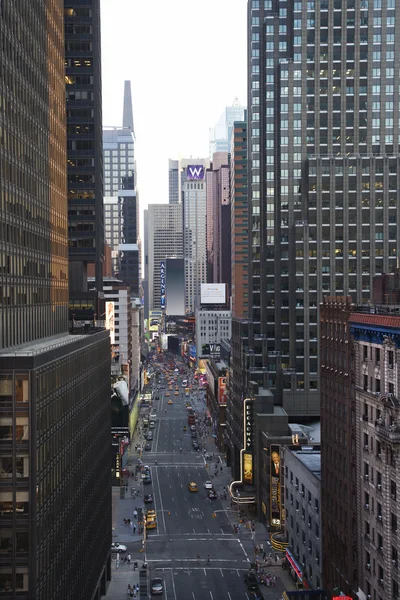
[
  {"x": 167, "y": 394},
  {"x": 151, "y": 513},
  {"x": 193, "y": 487},
  {"x": 151, "y": 523},
  {"x": 176, "y": 393},
  {"x": 170, "y": 401}
]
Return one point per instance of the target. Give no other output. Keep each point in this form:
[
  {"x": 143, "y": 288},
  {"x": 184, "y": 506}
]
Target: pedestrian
[
  {"x": 129, "y": 559},
  {"x": 129, "y": 589},
  {"x": 208, "y": 559},
  {"x": 134, "y": 528},
  {"x": 135, "y": 513}
]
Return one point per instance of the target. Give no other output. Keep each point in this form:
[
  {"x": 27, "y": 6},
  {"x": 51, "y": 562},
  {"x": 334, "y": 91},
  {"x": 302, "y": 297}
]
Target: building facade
[
  {"x": 303, "y": 513},
  {"x": 55, "y": 502},
  {"x": 84, "y": 142},
  {"x": 218, "y": 222},
  {"x": 377, "y": 363},
  {"x": 212, "y": 326},
  {"x": 216, "y": 373},
  {"x": 323, "y": 165},
  {"x": 220, "y": 136},
  {"x": 338, "y": 446},
  {"x": 165, "y": 240}
]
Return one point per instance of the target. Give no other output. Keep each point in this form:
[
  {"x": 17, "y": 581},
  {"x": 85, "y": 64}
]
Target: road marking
[
  {"x": 193, "y": 596},
  {"x": 205, "y": 572},
  {"x": 173, "y": 585},
  {"x": 237, "y": 571},
  {"x": 230, "y": 597},
  {"x": 195, "y": 560},
  {"x": 212, "y": 597},
  {"x": 221, "y": 572},
  {"x": 222, "y": 531},
  {"x": 246, "y": 596},
  {"x": 192, "y": 568},
  {"x": 161, "y": 502},
  {"x": 209, "y": 531}
]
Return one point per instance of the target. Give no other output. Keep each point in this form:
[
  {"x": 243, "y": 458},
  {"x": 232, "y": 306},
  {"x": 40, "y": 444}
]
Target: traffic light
[{"x": 214, "y": 515}]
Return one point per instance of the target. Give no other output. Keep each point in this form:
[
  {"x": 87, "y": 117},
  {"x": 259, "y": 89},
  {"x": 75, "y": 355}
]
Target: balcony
[{"x": 389, "y": 433}]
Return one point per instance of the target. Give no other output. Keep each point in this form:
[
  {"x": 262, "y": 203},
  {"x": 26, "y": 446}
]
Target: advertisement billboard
[
  {"x": 192, "y": 353},
  {"x": 175, "y": 286},
  {"x": 248, "y": 468},
  {"x": 110, "y": 322},
  {"x": 155, "y": 318},
  {"x": 222, "y": 391},
  {"x": 211, "y": 350},
  {"x": 195, "y": 172},
  {"x": 275, "y": 499},
  {"x": 213, "y": 293},
  {"x": 162, "y": 284}
]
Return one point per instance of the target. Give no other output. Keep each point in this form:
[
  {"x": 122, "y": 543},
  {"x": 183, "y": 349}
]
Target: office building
[
  {"x": 119, "y": 174},
  {"x": 220, "y": 136},
  {"x": 303, "y": 514},
  {"x": 212, "y": 326},
  {"x": 145, "y": 279},
  {"x": 377, "y": 441},
  {"x": 194, "y": 199},
  {"x": 239, "y": 221},
  {"x": 177, "y": 176},
  {"x": 338, "y": 463},
  {"x": 219, "y": 220},
  {"x": 84, "y": 149},
  {"x": 165, "y": 240},
  {"x": 55, "y": 502},
  {"x": 323, "y": 165}
]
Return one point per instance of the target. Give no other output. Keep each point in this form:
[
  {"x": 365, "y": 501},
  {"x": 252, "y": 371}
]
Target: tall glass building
[
  {"x": 323, "y": 166},
  {"x": 55, "y": 497}
]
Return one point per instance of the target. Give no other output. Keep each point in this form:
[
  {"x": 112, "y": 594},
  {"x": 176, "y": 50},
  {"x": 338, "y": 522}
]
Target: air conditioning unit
[
  {"x": 317, "y": 560},
  {"x": 369, "y": 597},
  {"x": 381, "y": 582},
  {"x": 366, "y": 477},
  {"x": 368, "y": 566},
  {"x": 366, "y": 447},
  {"x": 303, "y": 517},
  {"x": 297, "y": 510},
  {"x": 393, "y": 496},
  {"x": 309, "y": 526},
  {"x": 296, "y": 485},
  {"x": 366, "y": 506},
  {"x": 380, "y": 518},
  {"x": 379, "y": 486},
  {"x": 380, "y": 456},
  {"x": 302, "y": 493}
]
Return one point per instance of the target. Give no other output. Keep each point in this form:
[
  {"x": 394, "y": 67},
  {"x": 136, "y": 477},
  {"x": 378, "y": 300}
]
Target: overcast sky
[{"x": 186, "y": 60}]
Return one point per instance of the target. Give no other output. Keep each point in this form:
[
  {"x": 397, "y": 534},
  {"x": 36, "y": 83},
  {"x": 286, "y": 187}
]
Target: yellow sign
[
  {"x": 248, "y": 468},
  {"x": 155, "y": 318},
  {"x": 264, "y": 508}
]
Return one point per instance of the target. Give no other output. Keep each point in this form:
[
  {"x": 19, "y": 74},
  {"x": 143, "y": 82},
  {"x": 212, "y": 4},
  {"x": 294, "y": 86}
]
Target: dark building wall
[
  {"x": 84, "y": 133},
  {"x": 33, "y": 216},
  {"x": 338, "y": 451}
]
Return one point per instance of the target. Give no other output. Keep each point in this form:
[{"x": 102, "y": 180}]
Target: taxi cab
[
  {"x": 151, "y": 523},
  {"x": 170, "y": 401},
  {"x": 176, "y": 393},
  {"x": 150, "y": 514},
  {"x": 193, "y": 487},
  {"x": 167, "y": 394}
]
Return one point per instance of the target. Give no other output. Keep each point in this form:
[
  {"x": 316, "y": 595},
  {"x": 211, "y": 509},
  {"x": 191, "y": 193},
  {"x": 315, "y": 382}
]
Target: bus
[{"x": 187, "y": 392}]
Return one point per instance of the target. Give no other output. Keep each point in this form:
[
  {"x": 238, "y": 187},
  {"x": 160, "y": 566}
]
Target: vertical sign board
[
  {"x": 162, "y": 283},
  {"x": 110, "y": 325},
  {"x": 247, "y": 461},
  {"x": 222, "y": 391},
  {"x": 275, "y": 494}
]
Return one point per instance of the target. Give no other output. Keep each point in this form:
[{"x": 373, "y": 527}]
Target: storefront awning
[{"x": 296, "y": 567}]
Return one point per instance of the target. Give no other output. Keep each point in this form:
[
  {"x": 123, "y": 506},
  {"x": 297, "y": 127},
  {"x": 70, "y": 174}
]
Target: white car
[
  {"x": 208, "y": 485},
  {"x": 115, "y": 547}
]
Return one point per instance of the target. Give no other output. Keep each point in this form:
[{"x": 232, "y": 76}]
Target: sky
[{"x": 186, "y": 60}]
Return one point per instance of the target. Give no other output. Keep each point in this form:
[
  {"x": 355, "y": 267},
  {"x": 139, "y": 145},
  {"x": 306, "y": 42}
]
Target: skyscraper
[
  {"x": 174, "y": 190},
  {"x": 194, "y": 230},
  {"x": 219, "y": 220},
  {"x": 84, "y": 146},
  {"x": 323, "y": 165},
  {"x": 220, "y": 136},
  {"x": 165, "y": 240},
  {"x": 55, "y": 501}
]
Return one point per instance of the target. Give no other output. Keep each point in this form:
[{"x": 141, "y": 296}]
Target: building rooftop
[
  {"x": 44, "y": 345},
  {"x": 311, "y": 459}
]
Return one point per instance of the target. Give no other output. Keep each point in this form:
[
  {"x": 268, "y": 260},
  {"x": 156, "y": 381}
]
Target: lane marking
[
  {"x": 221, "y": 573},
  {"x": 237, "y": 571},
  {"x": 205, "y": 572},
  {"x": 230, "y": 569},
  {"x": 230, "y": 597},
  {"x": 161, "y": 502},
  {"x": 173, "y": 585},
  {"x": 193, "y": 596},
  {"x": 196, "y": 560},
  {"x": 212, "y": 597}
]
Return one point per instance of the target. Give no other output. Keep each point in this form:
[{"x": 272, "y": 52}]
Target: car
[
  {"x": 115, "y": 547},
  {"x": 148, "y": 499},
  {"x": 193, "y": 487},
  {"x": 195, "y": 445},
  {"x": 167, "y": 394},
  {"x": 146, "y": 479},
  {"x": 150, "y": 437},
  {"x": 212, "y": 495},
  {"x": 193, "y": 428},
  {"x": 147, "y": 446},
  {"x": 176, "y": 393},
  {"x": 152, "y": 424},
  {"x": 170, "y": 401},
  {"x": 193, "y": 434},
  {"x": 184, "y": 428},
  {"x": 151, "y": 513},
  {"x": 157, "y": 587},
  {"x": 151, "y": 524},
  {"x": 208, "y": 485}
]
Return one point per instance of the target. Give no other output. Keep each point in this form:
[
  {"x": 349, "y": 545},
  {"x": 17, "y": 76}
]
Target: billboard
[
  {"x": 211, "y": 350},
  {"x": 175, "y": 286},
  {"x": 213, "y": 293},
  {"x": 192, "y": 353},
  {"x": 248, "y": 468},
  {"x": 222, "y": 391},
  {"x": 162, "y": 284},
  {"x": 275, "y": 499},
  {"x": 155, "y": 318},
  {"x": 195, "y": 172},
  {"x": 110, "y": 322}
]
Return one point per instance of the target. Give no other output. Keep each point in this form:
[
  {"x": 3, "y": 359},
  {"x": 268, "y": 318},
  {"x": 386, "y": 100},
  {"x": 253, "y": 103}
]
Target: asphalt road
[{"x": 193, "y": 549}]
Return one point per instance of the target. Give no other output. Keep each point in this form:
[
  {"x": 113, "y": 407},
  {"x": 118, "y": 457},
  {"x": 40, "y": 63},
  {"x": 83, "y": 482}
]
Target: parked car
[
  {"x": 212, "y": 495},
  {"x": 147, "y": 446},
  {"x": 148, "y": 499},
  {"x": 115, "y": 547},
  {"x": 147, "y": 479},
  {"x": 208, "y": 485}
]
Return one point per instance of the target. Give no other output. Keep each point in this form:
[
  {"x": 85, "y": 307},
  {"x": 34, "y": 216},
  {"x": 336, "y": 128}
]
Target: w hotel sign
[{"x": 195, "y": 173}]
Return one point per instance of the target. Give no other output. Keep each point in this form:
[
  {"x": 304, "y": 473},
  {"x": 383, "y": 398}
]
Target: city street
[{"x": 193, "y": 549}]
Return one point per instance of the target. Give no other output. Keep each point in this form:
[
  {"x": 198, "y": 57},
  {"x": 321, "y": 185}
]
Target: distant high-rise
[
  {"x": 165, "y": 240},
  {"x": 219, "y": 220},
  {"x": 84, "y": 145},
  {"x": 220, "y": 135},
  {"x": 55, "y": 500},
  {"x": 174, "y": 189},
  {"x": 121, "y": 205},
  {"x": 194, "y": 203}
]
